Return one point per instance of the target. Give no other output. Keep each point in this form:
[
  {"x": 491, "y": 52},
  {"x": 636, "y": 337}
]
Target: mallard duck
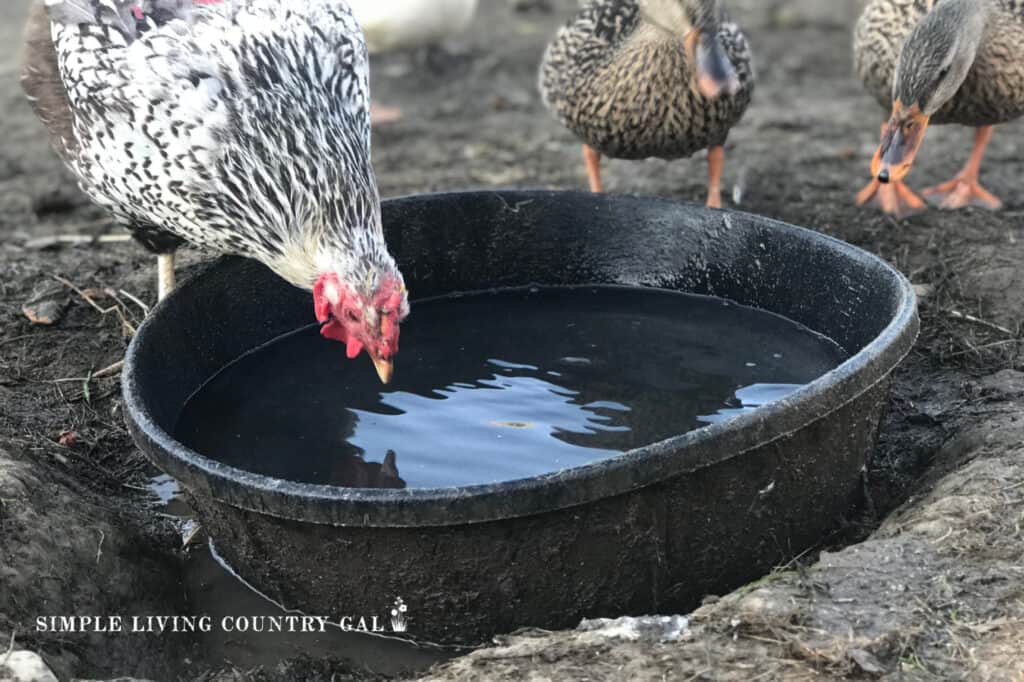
[
  {"x": 649, "y": 78},
  {"x": 938, "y": 62},
  {"x": 239, "y": 127}
]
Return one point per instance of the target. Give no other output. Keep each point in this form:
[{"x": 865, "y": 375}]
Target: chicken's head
[{"x": 363, "y": 320}]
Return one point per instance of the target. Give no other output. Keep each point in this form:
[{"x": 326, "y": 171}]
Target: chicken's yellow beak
[
  {"x": 385, "y": 369},
  {"x": 901, "y": 138}
]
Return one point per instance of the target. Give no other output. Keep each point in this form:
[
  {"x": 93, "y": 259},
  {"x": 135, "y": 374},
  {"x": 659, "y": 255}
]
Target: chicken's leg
[
  {"x": 164, "y": 275},
  {"x": 964, "y": 189},
  {"x": 716, "y": 161},
  {"x": 592, "y": 158}
]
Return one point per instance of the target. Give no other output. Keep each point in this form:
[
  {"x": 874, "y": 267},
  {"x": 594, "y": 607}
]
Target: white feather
[{"x": 401, "y": 24}]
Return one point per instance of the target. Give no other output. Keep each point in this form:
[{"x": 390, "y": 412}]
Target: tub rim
[{"x": 632, "y": 470}]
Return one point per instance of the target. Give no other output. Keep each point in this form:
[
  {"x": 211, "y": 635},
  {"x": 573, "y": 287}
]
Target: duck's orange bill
[{"x": 901, "y": 138}]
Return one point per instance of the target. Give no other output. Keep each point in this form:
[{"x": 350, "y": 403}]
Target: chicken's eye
[{"x": 352, "y": 315}]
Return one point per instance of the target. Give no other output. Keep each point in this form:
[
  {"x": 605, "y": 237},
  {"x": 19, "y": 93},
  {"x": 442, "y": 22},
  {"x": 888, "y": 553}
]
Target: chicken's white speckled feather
[{"x": 240, "y": 126}]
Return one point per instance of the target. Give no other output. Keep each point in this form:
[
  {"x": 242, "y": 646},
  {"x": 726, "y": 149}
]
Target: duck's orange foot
[
  {"x": 384, "y": 115},
  {"x": 894, "y": 198},
  {"x": 963, "y": 191}
]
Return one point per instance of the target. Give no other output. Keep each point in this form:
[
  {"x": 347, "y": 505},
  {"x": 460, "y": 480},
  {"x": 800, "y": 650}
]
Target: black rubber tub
[{"x": 653, "y": 530}]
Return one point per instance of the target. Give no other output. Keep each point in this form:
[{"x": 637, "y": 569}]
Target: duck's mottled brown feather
[
  {"x": 627, "y": 89},
  {"x": 994, "y": 90}
]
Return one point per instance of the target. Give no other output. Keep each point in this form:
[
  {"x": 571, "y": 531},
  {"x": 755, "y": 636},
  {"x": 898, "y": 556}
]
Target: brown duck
[
  {"x": 635, "y": 79},
  {"x": 938, "y": 62}
]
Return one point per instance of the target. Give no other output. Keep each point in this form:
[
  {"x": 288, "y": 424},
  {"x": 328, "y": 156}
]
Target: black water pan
[{"x": 653, "y": 530}]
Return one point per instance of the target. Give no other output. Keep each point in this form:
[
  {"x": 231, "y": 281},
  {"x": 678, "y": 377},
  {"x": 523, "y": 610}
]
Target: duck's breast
[{"x": 644, "y": 101}]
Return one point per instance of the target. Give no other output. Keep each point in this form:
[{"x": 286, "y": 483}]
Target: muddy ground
[{"x": 933, "y": 586}]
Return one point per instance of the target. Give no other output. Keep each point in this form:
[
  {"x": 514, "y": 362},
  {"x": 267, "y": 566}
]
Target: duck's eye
[{"x": 943, "y": 72}]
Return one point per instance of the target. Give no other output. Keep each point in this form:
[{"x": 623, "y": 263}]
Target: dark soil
[{"x": 78, "y": 533}]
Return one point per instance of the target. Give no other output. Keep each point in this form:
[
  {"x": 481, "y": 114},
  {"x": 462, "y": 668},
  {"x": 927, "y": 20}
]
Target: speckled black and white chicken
[
  {"x": 239, "y": 126},
  {"x": 635, "y": 79}
]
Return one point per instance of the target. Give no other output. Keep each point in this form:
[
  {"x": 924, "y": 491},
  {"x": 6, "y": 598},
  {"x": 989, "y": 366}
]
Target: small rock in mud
[
  {"x": 47, "y": 303},
  {"x": 866, "y": 662},
  {"x": 654, "y": 628},
  {"x": 24, "y": 666},
  {"x": 1004, "y": 385}
]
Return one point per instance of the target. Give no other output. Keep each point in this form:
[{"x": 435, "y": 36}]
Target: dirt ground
[{"x": 933, "y": 587}]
